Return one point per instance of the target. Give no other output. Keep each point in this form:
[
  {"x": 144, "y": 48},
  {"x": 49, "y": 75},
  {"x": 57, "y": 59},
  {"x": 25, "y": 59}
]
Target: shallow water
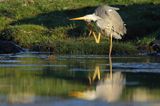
[{"x": 39, "y": 79}]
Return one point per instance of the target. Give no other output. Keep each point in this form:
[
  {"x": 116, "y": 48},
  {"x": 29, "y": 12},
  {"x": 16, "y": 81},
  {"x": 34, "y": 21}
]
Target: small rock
[
  {"x": 155, "y": 45},
  {"x": 7, "y": 47}
]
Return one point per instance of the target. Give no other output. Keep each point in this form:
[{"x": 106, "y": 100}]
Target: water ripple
[
  {"x": 31, "y": 65},
  {"x": 137, "y": 65}
]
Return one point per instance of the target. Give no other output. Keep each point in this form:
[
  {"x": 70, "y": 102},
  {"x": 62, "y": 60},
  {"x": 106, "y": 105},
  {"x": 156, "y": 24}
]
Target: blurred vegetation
[
  {"x": 43, "y": 25},
  {"x": 15, "y": 81}
]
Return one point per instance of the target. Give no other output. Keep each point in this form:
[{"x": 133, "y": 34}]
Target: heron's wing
[
  {"x": 110, "y": 21},
  {"x": 101, "y": 10},
  {"x": 116, "y": 21},
  {"x": 104, "y": 22}
]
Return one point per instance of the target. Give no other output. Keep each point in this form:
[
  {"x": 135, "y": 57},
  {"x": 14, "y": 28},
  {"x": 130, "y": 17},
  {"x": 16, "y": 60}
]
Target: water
[{"x": 41, "y": 79}]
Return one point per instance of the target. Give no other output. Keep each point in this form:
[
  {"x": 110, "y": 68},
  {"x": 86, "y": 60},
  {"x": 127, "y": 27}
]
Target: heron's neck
[
  {"x": 92, "y": 17},
  {"x": 95, "y": 17}
]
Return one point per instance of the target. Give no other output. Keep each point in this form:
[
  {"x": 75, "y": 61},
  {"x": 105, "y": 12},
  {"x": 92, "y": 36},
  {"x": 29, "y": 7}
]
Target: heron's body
[{"x": 108, "y": 21}]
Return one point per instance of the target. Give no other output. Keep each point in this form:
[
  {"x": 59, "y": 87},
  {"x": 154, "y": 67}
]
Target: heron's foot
[{"x": 97, "y": 39}]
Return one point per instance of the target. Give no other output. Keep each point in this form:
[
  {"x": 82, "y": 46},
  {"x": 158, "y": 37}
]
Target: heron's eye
[{"x": 92, "y": 21}]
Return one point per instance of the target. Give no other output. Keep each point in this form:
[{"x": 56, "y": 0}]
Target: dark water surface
[{"x": 41, "y": 79}]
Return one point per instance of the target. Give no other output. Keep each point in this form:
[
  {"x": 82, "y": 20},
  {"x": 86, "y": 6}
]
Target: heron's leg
[
  {"x": 97, "y": 39},
  {"x": 110, "y": 67},
  {"x": 110, "y": 47},
  {"x": 110, "y": 58},
  {"x": 96, "y": 73}
]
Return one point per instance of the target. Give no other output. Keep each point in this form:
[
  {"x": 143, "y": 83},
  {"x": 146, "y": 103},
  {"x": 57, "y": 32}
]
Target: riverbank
[{"x": 43, "y": 25}]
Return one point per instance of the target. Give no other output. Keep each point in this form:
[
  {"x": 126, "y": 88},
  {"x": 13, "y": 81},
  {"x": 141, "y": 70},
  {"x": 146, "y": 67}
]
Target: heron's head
[{"x": 88, "y": 18}]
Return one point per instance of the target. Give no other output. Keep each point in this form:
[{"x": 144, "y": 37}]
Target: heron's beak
[{"x": 79, "y": 18}]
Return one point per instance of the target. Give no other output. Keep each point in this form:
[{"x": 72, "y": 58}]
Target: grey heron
[
  {"x": 108, "y": 22},
  {"x": 107, "y": 89}
]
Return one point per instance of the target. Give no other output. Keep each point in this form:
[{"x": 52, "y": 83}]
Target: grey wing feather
[
  {"x": 100, "y": 11},
  {"x": 117, "y": 22},
  {"x": 110, "y": 18}
]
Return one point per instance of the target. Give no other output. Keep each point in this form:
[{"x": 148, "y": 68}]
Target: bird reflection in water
[
  {"x": 20, "y": 97},
  {"x": 108, "y": 89},
  {"x": 96, "y": 74}
]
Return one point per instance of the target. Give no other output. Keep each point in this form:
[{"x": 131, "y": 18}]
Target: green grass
[
  {"x": 43, "y": 24},
  {"x": 83, "y": 46}
]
